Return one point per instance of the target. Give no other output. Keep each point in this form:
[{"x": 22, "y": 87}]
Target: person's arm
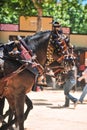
[
  {"x": 80, "y": 78},
  {"x": 84, "y": 75}
]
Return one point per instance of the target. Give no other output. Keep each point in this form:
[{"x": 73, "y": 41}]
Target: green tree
[
  {"x": 74, "y": 15},
  {"x": 39, "y": 5},
  {"x": 11, "y": 10},
  {"x": 70, "y": 13}
]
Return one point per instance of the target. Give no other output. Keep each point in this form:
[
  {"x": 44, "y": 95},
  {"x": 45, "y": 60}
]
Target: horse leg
[
  {"x": 7, "y": 125},
  {"x": 19, "y": 109},
  {"x": 10, "y": 114},
  {"x": 2, "y": 103},
  {"x": 29, "y": 106}
]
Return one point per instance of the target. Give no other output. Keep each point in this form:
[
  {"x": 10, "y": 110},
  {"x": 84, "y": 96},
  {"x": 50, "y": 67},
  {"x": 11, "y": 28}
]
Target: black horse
[{"x": 16, "y": 85}]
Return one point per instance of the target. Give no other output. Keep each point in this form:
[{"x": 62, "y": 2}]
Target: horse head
[
  {"x": 44, "y": 47},
  {"x": 48, "y": 52},
  {"x": 38, "y": 43}
]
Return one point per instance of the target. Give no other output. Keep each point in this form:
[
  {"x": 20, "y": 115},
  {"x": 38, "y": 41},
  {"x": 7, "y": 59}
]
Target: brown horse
[
  {"x": 5, "y": 72},
  {"x": 15, "y": 86}
]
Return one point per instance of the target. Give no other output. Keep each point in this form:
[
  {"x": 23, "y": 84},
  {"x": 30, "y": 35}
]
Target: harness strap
[
  {"x": 20, "y": 69},
  {"x": 5, "y": 79},
  {"x": 24, "y": 45},
  {"x": 24, "y": 53}
]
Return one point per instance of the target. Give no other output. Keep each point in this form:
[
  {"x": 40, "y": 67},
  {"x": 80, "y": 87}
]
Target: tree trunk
[{"x": 40, "y": 12}]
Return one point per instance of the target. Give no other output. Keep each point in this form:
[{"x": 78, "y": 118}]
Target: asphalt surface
[{"x": 46, "y": 114}]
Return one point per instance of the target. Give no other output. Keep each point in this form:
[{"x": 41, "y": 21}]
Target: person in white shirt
[{"x": 84, "y": 92}]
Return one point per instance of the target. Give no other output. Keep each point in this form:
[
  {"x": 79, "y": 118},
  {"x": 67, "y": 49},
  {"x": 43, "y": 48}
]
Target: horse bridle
[{"x": 50, "y": 51}]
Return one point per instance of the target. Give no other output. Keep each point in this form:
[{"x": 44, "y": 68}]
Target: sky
[{"x": 84, "y": 1}]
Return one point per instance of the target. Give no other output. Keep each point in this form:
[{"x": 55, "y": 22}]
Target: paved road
[{"x": 47, "y": 116}]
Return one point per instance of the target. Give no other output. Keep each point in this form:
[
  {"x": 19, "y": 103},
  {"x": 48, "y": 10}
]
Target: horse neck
[
  {"x": 39, "y": 46},
  {"x": 42, "y": 52}
]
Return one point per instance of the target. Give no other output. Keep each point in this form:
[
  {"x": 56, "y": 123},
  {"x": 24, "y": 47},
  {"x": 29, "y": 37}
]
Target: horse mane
[
  {"x": 35, "y": 40},
  {"x": 37, "y": 36}
]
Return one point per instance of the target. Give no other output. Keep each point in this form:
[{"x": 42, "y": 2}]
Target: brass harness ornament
[{"x": 50, "y": 51}]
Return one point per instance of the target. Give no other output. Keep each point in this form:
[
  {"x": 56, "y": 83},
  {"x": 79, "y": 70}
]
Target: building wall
[
  {"x": 4, "y": 35},
  {"x": 77, "y": 40}
]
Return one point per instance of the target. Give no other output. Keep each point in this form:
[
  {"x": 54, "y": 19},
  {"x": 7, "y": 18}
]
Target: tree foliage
[{"x": 70, "y": 13}]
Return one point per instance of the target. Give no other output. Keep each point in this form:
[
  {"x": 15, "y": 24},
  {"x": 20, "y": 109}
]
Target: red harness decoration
[{"x": 24, "y": 53}]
